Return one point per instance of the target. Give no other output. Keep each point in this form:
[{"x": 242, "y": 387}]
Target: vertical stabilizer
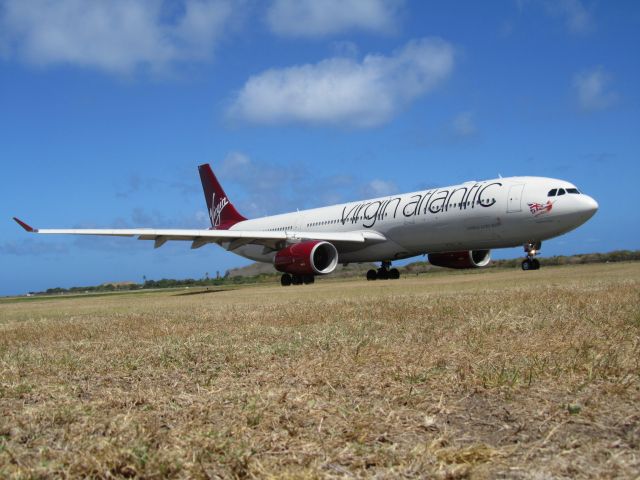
[{"x": 222, "y": 213}]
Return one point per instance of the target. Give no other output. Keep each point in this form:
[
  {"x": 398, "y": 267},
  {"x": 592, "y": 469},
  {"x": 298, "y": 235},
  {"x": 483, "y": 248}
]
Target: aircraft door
[{"x": 514, "y": 199}]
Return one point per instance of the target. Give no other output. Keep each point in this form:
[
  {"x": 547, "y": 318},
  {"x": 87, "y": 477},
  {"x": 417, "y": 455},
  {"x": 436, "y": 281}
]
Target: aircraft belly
[
  {"x": 441, "y": 234},
  {"x": 380, "y": 251},
  {"x": 255, "y": 252}
]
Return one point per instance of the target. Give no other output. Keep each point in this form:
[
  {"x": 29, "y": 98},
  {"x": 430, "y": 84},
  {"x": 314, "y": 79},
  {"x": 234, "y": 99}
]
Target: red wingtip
[{"x": 28, "y": 228}]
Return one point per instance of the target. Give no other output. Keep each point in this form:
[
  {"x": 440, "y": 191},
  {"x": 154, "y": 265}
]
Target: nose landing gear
[
  {"x": 384, "y": 272},
  {"x": 531, "y": 262}
]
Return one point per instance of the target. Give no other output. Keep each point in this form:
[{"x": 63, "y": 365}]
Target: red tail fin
[{"x": 222, "y": 213}]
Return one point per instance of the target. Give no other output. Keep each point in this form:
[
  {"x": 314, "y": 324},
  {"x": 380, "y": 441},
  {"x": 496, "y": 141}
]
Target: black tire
[
  {"x": 296, "y": 279},
  {"x": 535, "y": 264},
  {"x": 383, "y": 274},
  {"x": 394, "y": 274},
  {"x": 285, "y": 280},
  {"x": 308, "y": 279},
  {"x": 372, "y": 275},
  {"x": 526, "y": 265}
]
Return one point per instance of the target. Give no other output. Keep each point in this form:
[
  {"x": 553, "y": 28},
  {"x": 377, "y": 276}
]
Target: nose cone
[{"x": 588, "y": 207}]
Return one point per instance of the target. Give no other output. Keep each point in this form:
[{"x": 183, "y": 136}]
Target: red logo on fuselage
[{"x": 538, "y": 209}]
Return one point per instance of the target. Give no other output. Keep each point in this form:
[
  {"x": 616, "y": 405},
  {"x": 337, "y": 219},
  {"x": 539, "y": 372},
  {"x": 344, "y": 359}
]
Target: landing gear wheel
[
  {"x": 383, "y": 274},
  {"x": 296, "y": 279},
  {"x": 285, "y": 280},
  {"x": 394, "y": 274},
  {"x": 372, "y": 275},
  {"x": 531, "y": 262},
  {"x": 308, "y": 279}
]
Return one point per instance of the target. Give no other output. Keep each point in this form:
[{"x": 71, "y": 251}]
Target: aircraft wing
[{"x": 234, "y": 238}]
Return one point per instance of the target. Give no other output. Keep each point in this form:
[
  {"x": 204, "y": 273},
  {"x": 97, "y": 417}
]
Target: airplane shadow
[{"x": 201, "y": 292}]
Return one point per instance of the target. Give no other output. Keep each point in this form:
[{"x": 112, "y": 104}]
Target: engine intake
[
  {"x": 307, "y": 258},
  {"x": 464, "y": 259}
]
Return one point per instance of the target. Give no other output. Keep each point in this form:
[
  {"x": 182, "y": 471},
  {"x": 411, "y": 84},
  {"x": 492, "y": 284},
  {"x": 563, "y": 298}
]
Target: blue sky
[{"x": 107, "y": 107}]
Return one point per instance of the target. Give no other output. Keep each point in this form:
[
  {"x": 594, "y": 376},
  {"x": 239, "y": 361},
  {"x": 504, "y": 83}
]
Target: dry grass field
[{"x": 496, "y": 374}]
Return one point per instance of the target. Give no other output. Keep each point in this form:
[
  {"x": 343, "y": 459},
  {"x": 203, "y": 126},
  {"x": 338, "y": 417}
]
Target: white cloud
[
  {"x": 344, "y": 48},
  {"x": 578, "y": 18},
  {"x": 592, "y": 90},
  {"x": 267, "y": 188},
  {"x": 32, "y": 247},
  {"x": 117, "y": 36},
  {"x": 235, "y": 163},
  {"x": 316, "y": 18},
  {"x": 343, "y": 91},
  {"x": 379, "y": 188},
  {"x": 463, "y": 125}
]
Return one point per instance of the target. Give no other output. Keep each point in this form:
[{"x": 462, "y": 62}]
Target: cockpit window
[
  {"x": 561, "y": 191},
  {"x": 572, "y": 190},
  {"x": 552, "y": 193}
]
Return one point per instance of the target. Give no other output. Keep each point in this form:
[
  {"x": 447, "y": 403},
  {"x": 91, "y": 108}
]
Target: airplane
[{"x": 455, "y": 226}]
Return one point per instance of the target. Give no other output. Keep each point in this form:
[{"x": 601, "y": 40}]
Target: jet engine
[
  {"x": 307, "y": 258},
  {"x": 465, "y": 259}
]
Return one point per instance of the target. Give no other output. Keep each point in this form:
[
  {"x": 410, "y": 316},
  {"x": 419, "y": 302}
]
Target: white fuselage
[{"x": 498, "y": 213}]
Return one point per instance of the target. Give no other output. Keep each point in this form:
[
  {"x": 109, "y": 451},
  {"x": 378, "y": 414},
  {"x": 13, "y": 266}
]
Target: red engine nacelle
[
  {"x": 307, "y": 258},
  {"x": 465, "y": 259}
]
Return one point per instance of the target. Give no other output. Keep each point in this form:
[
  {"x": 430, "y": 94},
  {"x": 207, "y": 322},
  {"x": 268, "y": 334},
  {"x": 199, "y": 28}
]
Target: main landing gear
[
  {"x": 384, "y": 272},
  {"x": 286, "y": 279},
  {"x": 531, "y": 262}
]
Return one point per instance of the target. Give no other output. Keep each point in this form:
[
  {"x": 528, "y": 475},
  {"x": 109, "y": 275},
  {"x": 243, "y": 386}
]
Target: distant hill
[
  {"x": 267, "y": 269},
  {"x": 252, "y": 270},
  {"x": 119, "y": 284}
]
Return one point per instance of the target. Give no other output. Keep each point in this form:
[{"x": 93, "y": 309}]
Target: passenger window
[
  {"x": 552, "y": 192},
  {"x": 561, "y": 191}
]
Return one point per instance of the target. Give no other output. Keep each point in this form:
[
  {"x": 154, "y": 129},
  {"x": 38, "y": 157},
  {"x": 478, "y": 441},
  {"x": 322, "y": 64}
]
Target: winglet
[{"x": 28, "y": 228}]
